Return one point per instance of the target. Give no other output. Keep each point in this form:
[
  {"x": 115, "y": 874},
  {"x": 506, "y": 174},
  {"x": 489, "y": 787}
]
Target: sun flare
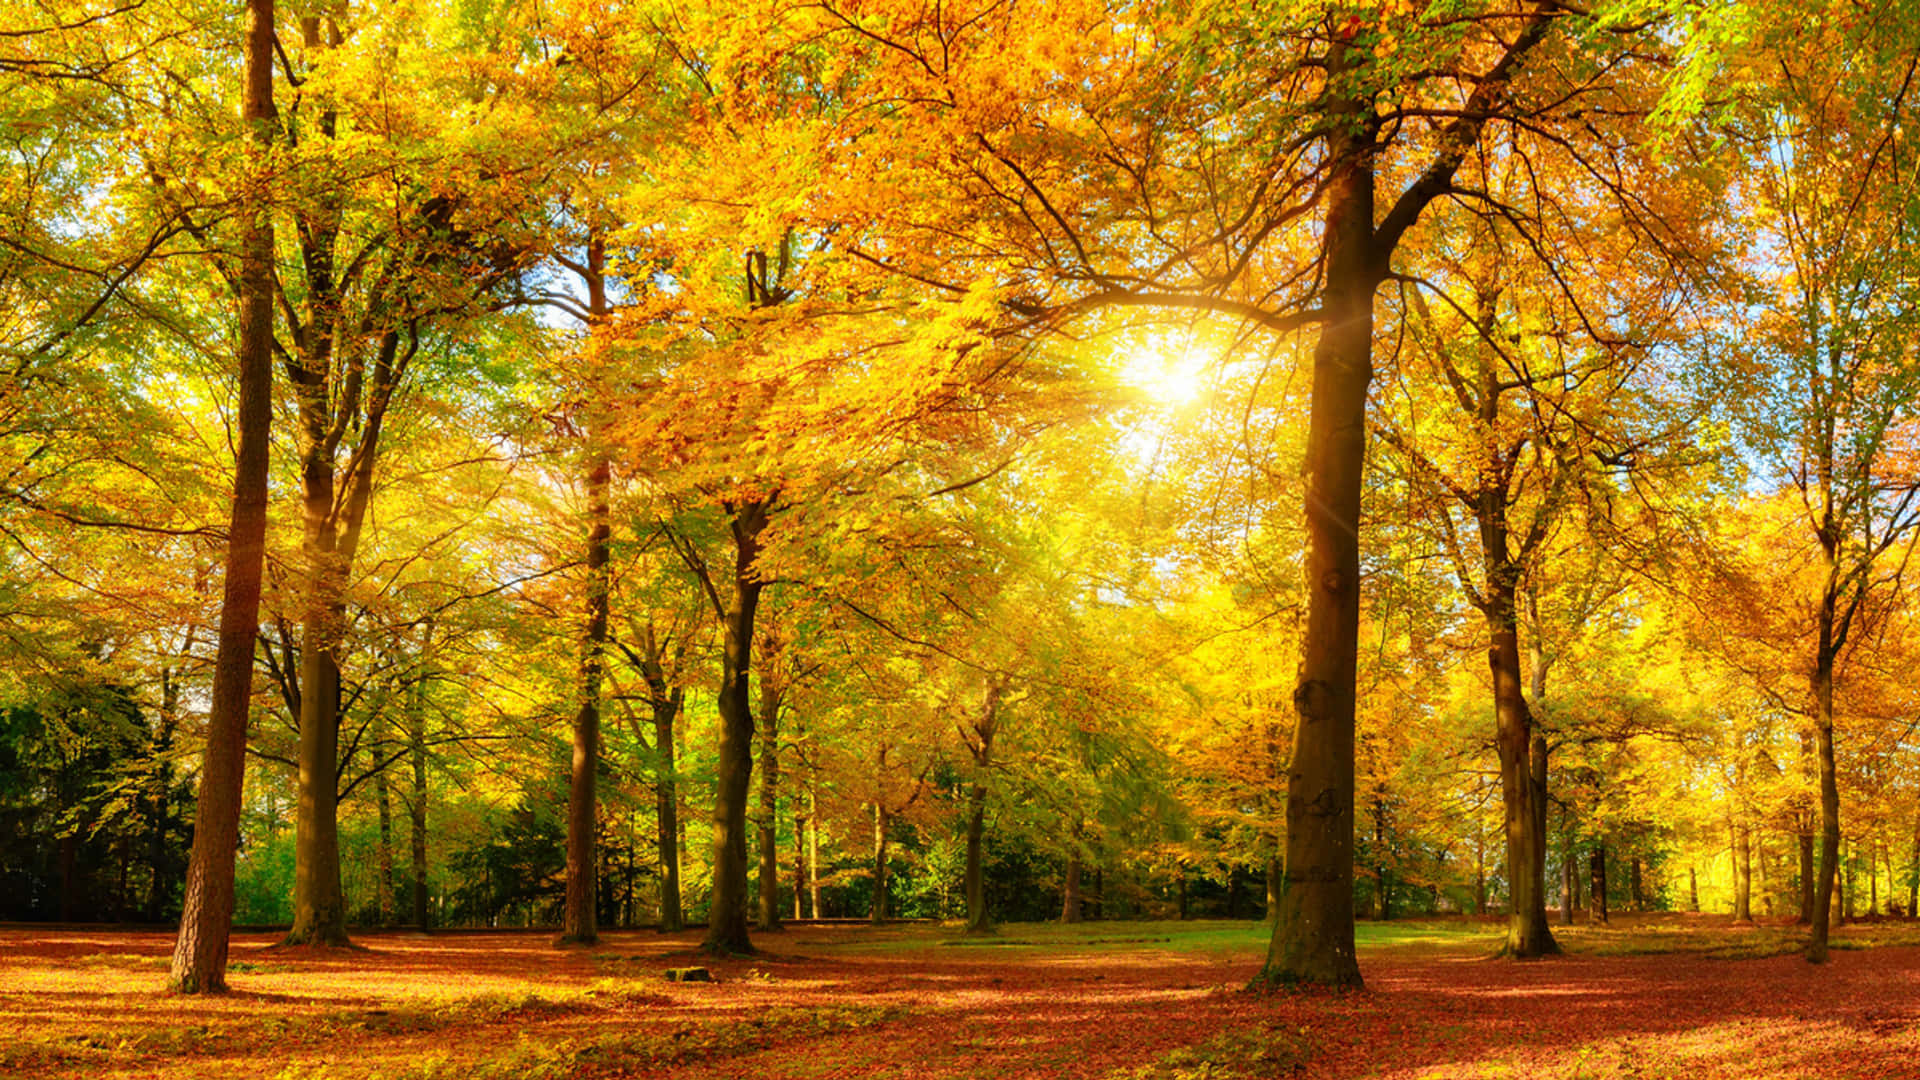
[{"x": 1166, "y": 369}]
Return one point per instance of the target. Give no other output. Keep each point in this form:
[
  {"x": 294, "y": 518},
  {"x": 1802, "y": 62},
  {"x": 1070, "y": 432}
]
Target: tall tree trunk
[
  {"x": 417, "y": 804},
  {"x": 1070, "y": 890},
  {"x": 1742, "y": 849},
  {"x": 879, "y": 913},
  {"x": 1528, "y": 934},
  {"x": 1829, "y": 788},
  {"x": 200, "y": 951},
  {"x": 980, "y": 745},
  {"x": 813, "y": 852},
  {"x": 976, "y": 882},
  {"x": 1382, "y": 881},
  {"x": 1913, "y": 874},
  {"x": 1313, "y": 938},
  {"x": 579, "y": 918},
  {"x": 1569, "y": 887},
  {"x": 1873, "y": 881},
  {"x": 799, "y": 861},
  {"x": 1479, "y": 870},
  {"x": 1693, "y": 890},
  {"x": 727, "y": 920},
  {"x": 1597, "y": 870},
  {"x": 1808, "y": 878},
  {"x": 666, "y": 711},
  {"x": 1635, "y": 886},
  {"x": 383, "y": 887},
  {"x": 769, "y": 804}
]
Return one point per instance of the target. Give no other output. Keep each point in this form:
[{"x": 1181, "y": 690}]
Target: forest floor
[{"x": 1651, "y": 997}]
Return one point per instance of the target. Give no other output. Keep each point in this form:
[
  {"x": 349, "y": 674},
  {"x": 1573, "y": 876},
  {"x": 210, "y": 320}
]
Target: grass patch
[{"x": 1243, "y": 1053}]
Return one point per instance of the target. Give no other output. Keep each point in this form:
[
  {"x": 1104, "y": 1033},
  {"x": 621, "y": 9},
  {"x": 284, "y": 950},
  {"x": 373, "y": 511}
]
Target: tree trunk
[
  {"x": 1273, "y": 886},
  {"x": 666, "y": 711},
  {"x": 417, "y": 805},
  {"x": 1829, "y": 789},
  {"x": 1807, "y": 877},
  {"x": 1313, "y": 938},
  {"x": 799, "y": 862},
  {"x": 981, "y": 747},
  {"x": 977, "y": 920},
  {"x": 579, "y": 918},
  {"x": 1913, "y": 874},
  {"x": 878, "y": 913},
  {"x": 1742, "y": 849},
  {"x": 1693, "y": 890},
  {"x": 769, "y": 804},
  {"x": 813, "y": 853},
  {"x": 384, "y": 885},
  {"x": 1180, "y": 890},
  {"x": 1635, "y": 886},
  {"x": 1479, "y": 870},
  {"x": 1597, "y": 870},
  {"x": 200, "y": 951},
  {"x": 1382, "y": 881},
  {"x": 1569, "y": 880},
  {"x": 1528, "y": 934},
  {"x": 1070, "y": 891},
  {"x": 727, "y": 920}
]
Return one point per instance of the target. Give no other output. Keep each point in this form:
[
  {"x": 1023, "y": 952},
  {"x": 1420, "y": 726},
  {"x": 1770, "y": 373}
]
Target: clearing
[{"x": 1651, "y": 997}]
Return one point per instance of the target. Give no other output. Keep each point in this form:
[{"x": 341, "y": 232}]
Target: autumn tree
[
  {"x": 1834, "y": 199},
  {"x": 200, "y": 951}
]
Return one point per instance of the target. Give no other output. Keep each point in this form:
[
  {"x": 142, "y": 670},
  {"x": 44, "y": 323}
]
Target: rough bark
[
  {"x": 1693, "y": 890},
  {"x": 200, "y": 951}
]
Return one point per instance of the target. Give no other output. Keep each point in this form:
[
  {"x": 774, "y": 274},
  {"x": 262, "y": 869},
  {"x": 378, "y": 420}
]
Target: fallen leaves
[{"x": 1158, "y": 1002}]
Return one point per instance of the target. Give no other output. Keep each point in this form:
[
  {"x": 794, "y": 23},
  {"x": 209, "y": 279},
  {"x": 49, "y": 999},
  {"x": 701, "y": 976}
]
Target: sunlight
[{"x": 1167, "y": 368}]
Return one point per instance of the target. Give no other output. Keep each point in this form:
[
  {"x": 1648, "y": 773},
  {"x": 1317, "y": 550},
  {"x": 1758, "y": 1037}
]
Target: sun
[{"x": 1166, "y": 368}]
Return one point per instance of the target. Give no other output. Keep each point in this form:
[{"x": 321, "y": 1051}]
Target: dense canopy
[{"x": 610, "y": 464}]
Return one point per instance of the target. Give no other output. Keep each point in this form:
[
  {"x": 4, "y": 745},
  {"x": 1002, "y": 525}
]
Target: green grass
[{"x": 1213, "y": 937}]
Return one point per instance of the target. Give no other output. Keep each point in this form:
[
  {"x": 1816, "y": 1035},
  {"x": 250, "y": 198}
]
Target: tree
[
  {"x": 1835, "y": 195},
  {"x": 200, "y": 951}
]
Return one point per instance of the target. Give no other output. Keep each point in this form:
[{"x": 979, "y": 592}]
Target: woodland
[{"x": 615, "y": 485}]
